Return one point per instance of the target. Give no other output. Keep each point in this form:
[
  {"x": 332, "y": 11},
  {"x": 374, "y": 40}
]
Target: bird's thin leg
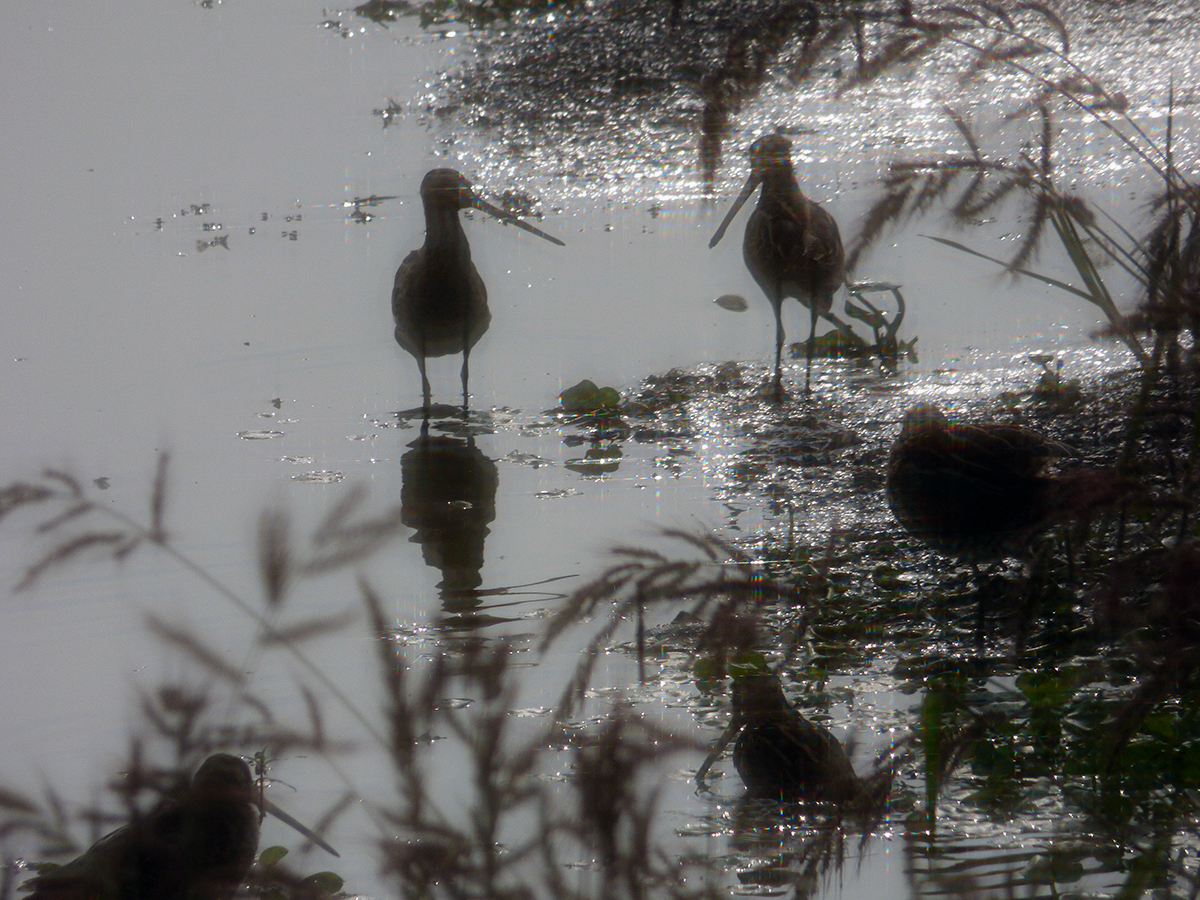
[
  {"x": 425, "y": 392},
  {"x": 466, "y": 338},
  {"x": 980, "y": 611},
  {"x": 466, "y": 360},
  {"x": 777, "y": 384},
  {"x": 466, "y": 357},
  {"x": 722, "y": 742},
  {"x": 812, "y": 337}
]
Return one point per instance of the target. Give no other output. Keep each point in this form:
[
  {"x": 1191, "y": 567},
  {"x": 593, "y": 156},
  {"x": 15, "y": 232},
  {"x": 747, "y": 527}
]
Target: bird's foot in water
[
  {"x": 773, "y": 392},
  {"x": 432, "y": 412}
]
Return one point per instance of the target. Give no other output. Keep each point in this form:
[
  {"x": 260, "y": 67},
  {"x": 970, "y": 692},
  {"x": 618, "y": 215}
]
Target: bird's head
[
  {"x": 769, "y": 153},
  {"x": 923, "y": 414},
  {"x": 447, "y": 189},
  {"x": 226, "y": 776}
]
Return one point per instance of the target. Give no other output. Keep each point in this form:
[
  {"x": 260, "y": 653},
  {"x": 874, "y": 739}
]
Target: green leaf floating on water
[
  {"x": 272, "y": 855},
  {"x": 326, "y": 883},
  {"x": 585, "y": 397}
]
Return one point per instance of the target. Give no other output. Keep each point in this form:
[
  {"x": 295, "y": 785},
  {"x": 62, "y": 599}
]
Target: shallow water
[{"x": 186, "y": 269}]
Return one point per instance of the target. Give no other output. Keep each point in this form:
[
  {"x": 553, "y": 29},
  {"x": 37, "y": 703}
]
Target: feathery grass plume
[
  {"x": 750, "y": 50},
  {"x": 616, "y": 769},
  {"x": 797, "y": 36},
  {"x": 722, "y": 584},
  {"x": 20, "y": 495},
  {"x": 1171, "y": 304},
  {"x": 1158, "y": 263},
  {"x": 605, "y": 766},
  {"x": 274, "y": 556},
  {"x": 911, "y": 189},
  {"x": 1151, "y": 602},
  {"x": 519, "y": 834},
  {"x": 345, "y": 537}
]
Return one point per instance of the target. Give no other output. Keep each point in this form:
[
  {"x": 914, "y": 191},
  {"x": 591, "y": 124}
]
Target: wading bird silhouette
[
  {"x": 792, "y": 246},
  {"x": 439, "y": 301}
]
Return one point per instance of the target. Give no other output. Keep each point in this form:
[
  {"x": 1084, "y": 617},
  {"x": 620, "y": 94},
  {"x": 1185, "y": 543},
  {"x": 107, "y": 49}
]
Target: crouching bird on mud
[
  {"x": 792, "y": 246},
  {"x": 439, "y": 302},
  {"x": 197, "y": 845},
  {"x": 980, "y": 491}
]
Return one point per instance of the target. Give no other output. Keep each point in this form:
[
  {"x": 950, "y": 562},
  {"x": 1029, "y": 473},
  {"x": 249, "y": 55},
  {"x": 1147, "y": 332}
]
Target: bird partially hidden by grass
[
  {"x": 792, "y": 247},
  {"x": 779, "y": 754},
  {"x": 439, "y": 301},
  {"x": 981, "y": 492},
  {"x": 197, "y": 845}
]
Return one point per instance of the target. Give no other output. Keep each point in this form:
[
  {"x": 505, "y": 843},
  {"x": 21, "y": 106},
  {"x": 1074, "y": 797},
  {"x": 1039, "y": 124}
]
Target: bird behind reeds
[
  {"x": 197, "y": 845},
  {"x": 981, "y": 491},
  {"x": 439, "y": 301},
  {"x": 792, "y": 245},
  {"x": 778, "y": 753}
]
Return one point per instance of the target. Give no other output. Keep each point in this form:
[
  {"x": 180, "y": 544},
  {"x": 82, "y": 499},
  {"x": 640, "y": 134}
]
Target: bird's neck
[
  {"x": 780, "y": 192},
  {"x": 443, "y": 229}
]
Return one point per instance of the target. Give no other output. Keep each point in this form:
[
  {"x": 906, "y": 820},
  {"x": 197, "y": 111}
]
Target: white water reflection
[{"x": 182, "y": 271}]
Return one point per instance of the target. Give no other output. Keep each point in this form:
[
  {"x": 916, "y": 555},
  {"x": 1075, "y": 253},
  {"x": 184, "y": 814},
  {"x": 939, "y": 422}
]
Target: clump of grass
[{"x": 912, "y": 188}]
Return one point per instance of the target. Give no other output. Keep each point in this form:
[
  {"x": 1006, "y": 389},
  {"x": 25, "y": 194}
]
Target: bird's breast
[{"x": 439, "y": 303}]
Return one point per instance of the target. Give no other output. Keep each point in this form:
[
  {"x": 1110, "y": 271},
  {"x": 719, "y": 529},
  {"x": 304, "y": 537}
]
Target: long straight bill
[
  {"x": 505, "y": 216},
  {"x": 286, "y": 819},
  {"x": 722, "y": 742},
  {"x": 747, "y": 190}
]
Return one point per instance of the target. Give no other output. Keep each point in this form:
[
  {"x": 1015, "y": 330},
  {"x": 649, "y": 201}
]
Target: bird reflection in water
[{"x": 448, "y": 497}]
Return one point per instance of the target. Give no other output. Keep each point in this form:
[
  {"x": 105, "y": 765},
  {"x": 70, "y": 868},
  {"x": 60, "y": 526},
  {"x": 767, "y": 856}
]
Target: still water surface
[{"x": 185, "y": 272}]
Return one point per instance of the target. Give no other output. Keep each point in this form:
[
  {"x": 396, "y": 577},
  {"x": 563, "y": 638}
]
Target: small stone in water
[{"x": 732, "y": 302}]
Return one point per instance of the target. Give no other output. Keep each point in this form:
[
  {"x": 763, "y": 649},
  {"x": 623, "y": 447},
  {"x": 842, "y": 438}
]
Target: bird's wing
[
  {"x": 823, "y": 240},
  {"x": 1010, "y": 448},
  {"x": 401, "y": 286}
]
